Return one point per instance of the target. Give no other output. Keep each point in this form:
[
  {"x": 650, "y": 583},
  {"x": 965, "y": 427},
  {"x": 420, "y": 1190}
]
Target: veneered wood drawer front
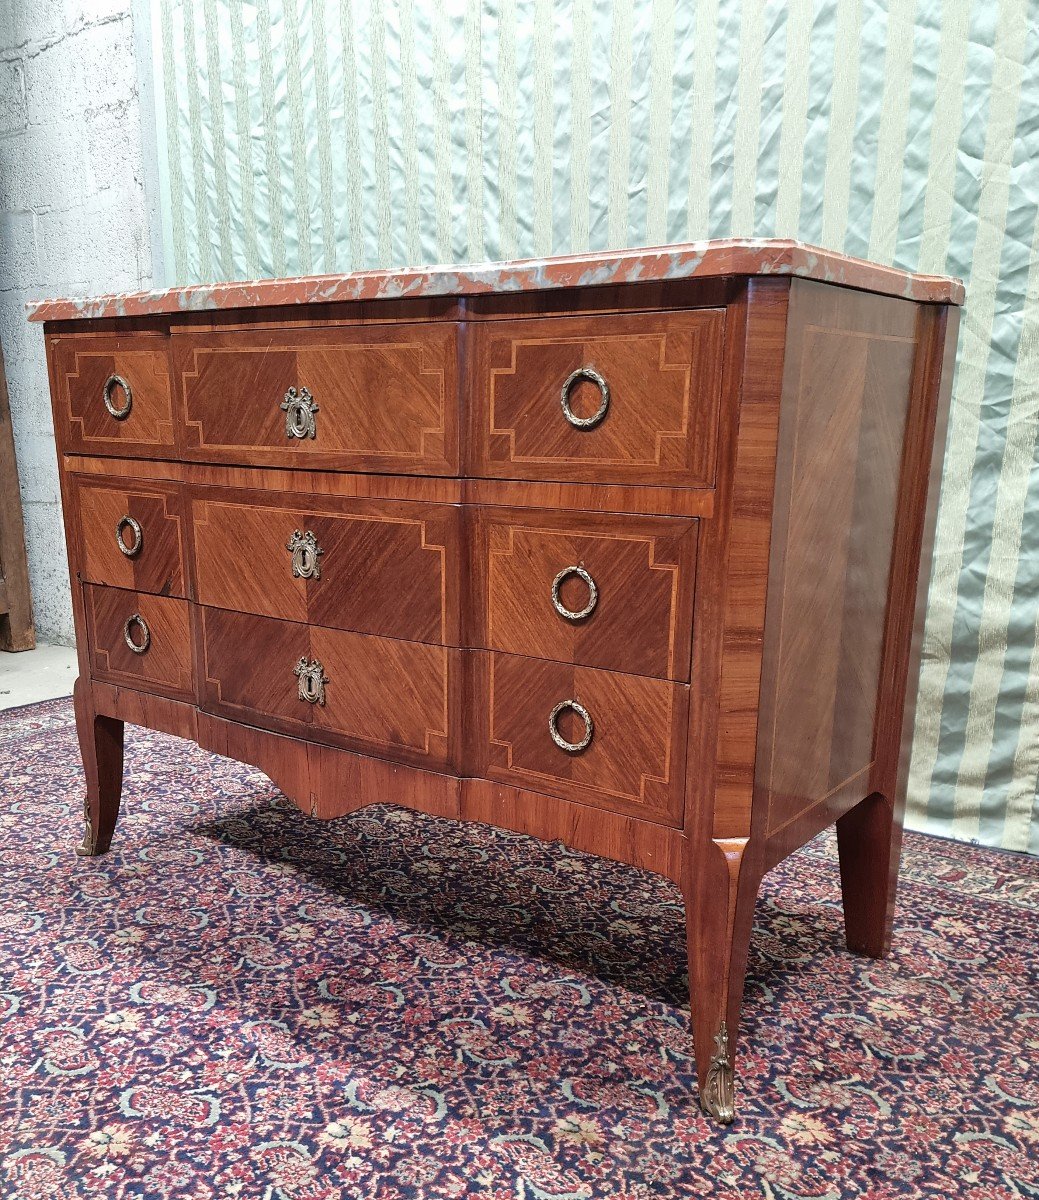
[
  {"x": 381, "y": 696},
  {"x": 662, "y": 372},
  {"x": 376, "y": 566},
  {"x": 386, "y": 396},
  {"x": 146, "y": 520},
  {"x": 165, "y": 664},
  {"x": 642, "y": 570},
  {"x": 84, "y": 369},
  {"x": 635, "y": 761}
]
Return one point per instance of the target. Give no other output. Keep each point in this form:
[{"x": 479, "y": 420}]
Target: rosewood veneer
[{"x": 622, "y": 550}]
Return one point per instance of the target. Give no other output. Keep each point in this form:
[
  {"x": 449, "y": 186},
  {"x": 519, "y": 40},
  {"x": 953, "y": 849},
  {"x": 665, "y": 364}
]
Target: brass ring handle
[
  {"x": 137, "y": 620},
  {"x": 306, "y": 555},
  {"x": 592, "y": 376},
  {"x": 557, "y": 737},
  {"x": 299, "y": 409},
  {"x": 134, "y": 548},
  {"x": 312, "y": 680},
  {"x": 593, "y": 594},
  {"x": 111, "y": 383}
]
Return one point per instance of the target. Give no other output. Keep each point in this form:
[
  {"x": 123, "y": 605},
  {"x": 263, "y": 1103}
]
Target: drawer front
[
  {"x": 112, "y": 393},
  {"x": 375, "y": 695},
  {"x": 386, "y": 397},
  {"x": 650, "y": 418},
  {"x": 603, "y": 591},
  {"x": 158, "y": 625},
  {"x": 634, "y": 763},
  {"x": 131, "y": 535},
  {"x": 371, "y": 566}
]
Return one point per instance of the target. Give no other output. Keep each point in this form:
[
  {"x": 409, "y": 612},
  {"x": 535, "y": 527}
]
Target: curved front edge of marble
[{"x": 688, "y": 261}]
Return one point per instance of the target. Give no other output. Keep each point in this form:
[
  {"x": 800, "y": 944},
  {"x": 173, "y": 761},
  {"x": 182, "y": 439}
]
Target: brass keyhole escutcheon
[
  {"x": 299, "y": 409},
  {"x": 306, "y": 555},
  {"x": 312, "y": 680}
]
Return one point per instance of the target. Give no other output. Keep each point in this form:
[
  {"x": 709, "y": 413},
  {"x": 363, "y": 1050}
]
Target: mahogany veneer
[
  {"x": 82, "y": 368},
  {"x": 634, "y": 565},
  {"x": 384, "y": 567},
  {"x": 152, "y": 562},
  {"x": 663, "y": 371},
  {"x": 643, "y": 568},
  {"x": 159, "y": 627},
  {"x": 385, "y": 395}
]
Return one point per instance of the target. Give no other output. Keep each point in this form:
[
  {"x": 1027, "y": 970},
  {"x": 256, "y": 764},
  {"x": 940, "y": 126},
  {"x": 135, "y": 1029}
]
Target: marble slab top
[{"x": 691, "y": 260}]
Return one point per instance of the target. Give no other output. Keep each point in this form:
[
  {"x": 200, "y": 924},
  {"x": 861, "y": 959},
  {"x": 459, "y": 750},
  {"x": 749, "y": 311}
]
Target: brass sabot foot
[
  {"x": 717, "y": 1098},
  {"x": 88, "y": 847}
]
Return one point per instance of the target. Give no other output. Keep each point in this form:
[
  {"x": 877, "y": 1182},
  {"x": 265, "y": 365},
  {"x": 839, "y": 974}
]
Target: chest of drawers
[{"x": 623, "y": 551}]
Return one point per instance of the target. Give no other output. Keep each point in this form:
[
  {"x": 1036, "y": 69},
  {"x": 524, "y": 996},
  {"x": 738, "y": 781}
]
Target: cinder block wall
[{"x": 73, "y": 221}]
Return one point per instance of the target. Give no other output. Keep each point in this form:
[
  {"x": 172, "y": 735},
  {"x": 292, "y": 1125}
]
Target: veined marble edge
[{"x": 643, "y": 264}]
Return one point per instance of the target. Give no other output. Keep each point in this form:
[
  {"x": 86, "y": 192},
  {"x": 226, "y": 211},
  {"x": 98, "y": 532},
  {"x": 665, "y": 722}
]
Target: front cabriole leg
[
  {"x": 721, "y": 887},
  {"x": 101, "y": 745}
]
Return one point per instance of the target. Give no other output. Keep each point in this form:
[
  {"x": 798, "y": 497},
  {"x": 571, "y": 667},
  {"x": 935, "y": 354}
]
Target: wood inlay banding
[
  {"x": 848, "y": 374},
  {"x": 386, "y": 396},
  {"x": 661, "y": 374}
]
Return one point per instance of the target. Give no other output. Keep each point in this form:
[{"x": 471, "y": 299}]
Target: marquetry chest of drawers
[{"x": 624, "y": 551}]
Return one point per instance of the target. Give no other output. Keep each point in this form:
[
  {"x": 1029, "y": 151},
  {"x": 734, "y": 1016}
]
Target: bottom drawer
[
  {"x": 635, "y": 728},
  {"x": 159, "y": 628},
  {"x": 375, "y": 695}
]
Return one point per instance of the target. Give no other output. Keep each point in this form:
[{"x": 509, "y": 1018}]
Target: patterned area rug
[{"x": 242, "y": 1001}]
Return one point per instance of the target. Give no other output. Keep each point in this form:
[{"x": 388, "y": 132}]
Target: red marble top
[{"x": 687, "y": 261}]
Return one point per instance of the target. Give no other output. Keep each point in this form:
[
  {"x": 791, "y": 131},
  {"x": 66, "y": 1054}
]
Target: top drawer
[
  {"x": 357, "y": 398},
  {"x": 620, "y": 398},
  {"x": 112, "y": 393}
]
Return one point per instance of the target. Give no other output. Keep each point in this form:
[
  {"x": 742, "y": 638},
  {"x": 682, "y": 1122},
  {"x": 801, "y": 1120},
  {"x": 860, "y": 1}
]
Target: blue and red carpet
[{"x": 239, "y": 1001}]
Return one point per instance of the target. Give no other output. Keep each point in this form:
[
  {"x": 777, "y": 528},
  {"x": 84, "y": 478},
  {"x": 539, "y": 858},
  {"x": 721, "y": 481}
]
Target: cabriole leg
[
  {"x": 720, "y": 893},
  {"x": 869, "y": 843},
  {"x": 101, "y": 744}
]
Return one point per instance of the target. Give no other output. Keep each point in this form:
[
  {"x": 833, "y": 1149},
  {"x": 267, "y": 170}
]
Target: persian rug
[{"x": 240, "y": 1001}]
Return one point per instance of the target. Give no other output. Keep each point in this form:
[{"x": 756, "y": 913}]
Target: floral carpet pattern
[{"x": 240, "y": 1001}]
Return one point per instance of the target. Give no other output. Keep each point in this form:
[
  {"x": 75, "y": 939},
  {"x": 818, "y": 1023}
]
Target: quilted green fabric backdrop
[{"x": 300, "y": 136}]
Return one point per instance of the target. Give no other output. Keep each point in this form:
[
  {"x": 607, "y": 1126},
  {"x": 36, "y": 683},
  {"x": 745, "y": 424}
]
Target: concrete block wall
[{"x": 73, "y": 221}]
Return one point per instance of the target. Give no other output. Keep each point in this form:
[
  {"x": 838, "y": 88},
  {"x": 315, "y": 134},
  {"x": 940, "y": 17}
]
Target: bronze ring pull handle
[
  {"x": 593, "y": 594},
  {"x": 557, "y": 737},
  {"x": 299, "y": 409},
  {"x": 134, "y": 548},
  {"x": 592, "y": 376},
  {"x": 132, "y": 622},
  {"x": 111, "y": 383},
  {"x": 312, "y": 680},
  {"x": 306, "y": 555}
]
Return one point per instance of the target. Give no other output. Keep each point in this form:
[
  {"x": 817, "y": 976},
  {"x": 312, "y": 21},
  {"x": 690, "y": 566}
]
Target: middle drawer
[
  {"x": 599, "y": 590},
  {"x": 130, "y": 534},
  {"x": 372, "y": 566}
]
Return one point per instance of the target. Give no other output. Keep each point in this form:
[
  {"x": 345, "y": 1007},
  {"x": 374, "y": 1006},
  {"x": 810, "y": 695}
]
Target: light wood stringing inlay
[
  {"x": 384, "y": 395},
  {"x": 840, "y": 449},
  {"x": 662, "y": 370},
  {"x": 382, "y": 571},
  {"x": 643, "y": 605},
  {"x": 85, "y": 362}
]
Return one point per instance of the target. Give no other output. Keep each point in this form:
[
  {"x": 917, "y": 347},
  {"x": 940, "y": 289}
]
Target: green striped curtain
[{"x": 300, "y": 136}]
